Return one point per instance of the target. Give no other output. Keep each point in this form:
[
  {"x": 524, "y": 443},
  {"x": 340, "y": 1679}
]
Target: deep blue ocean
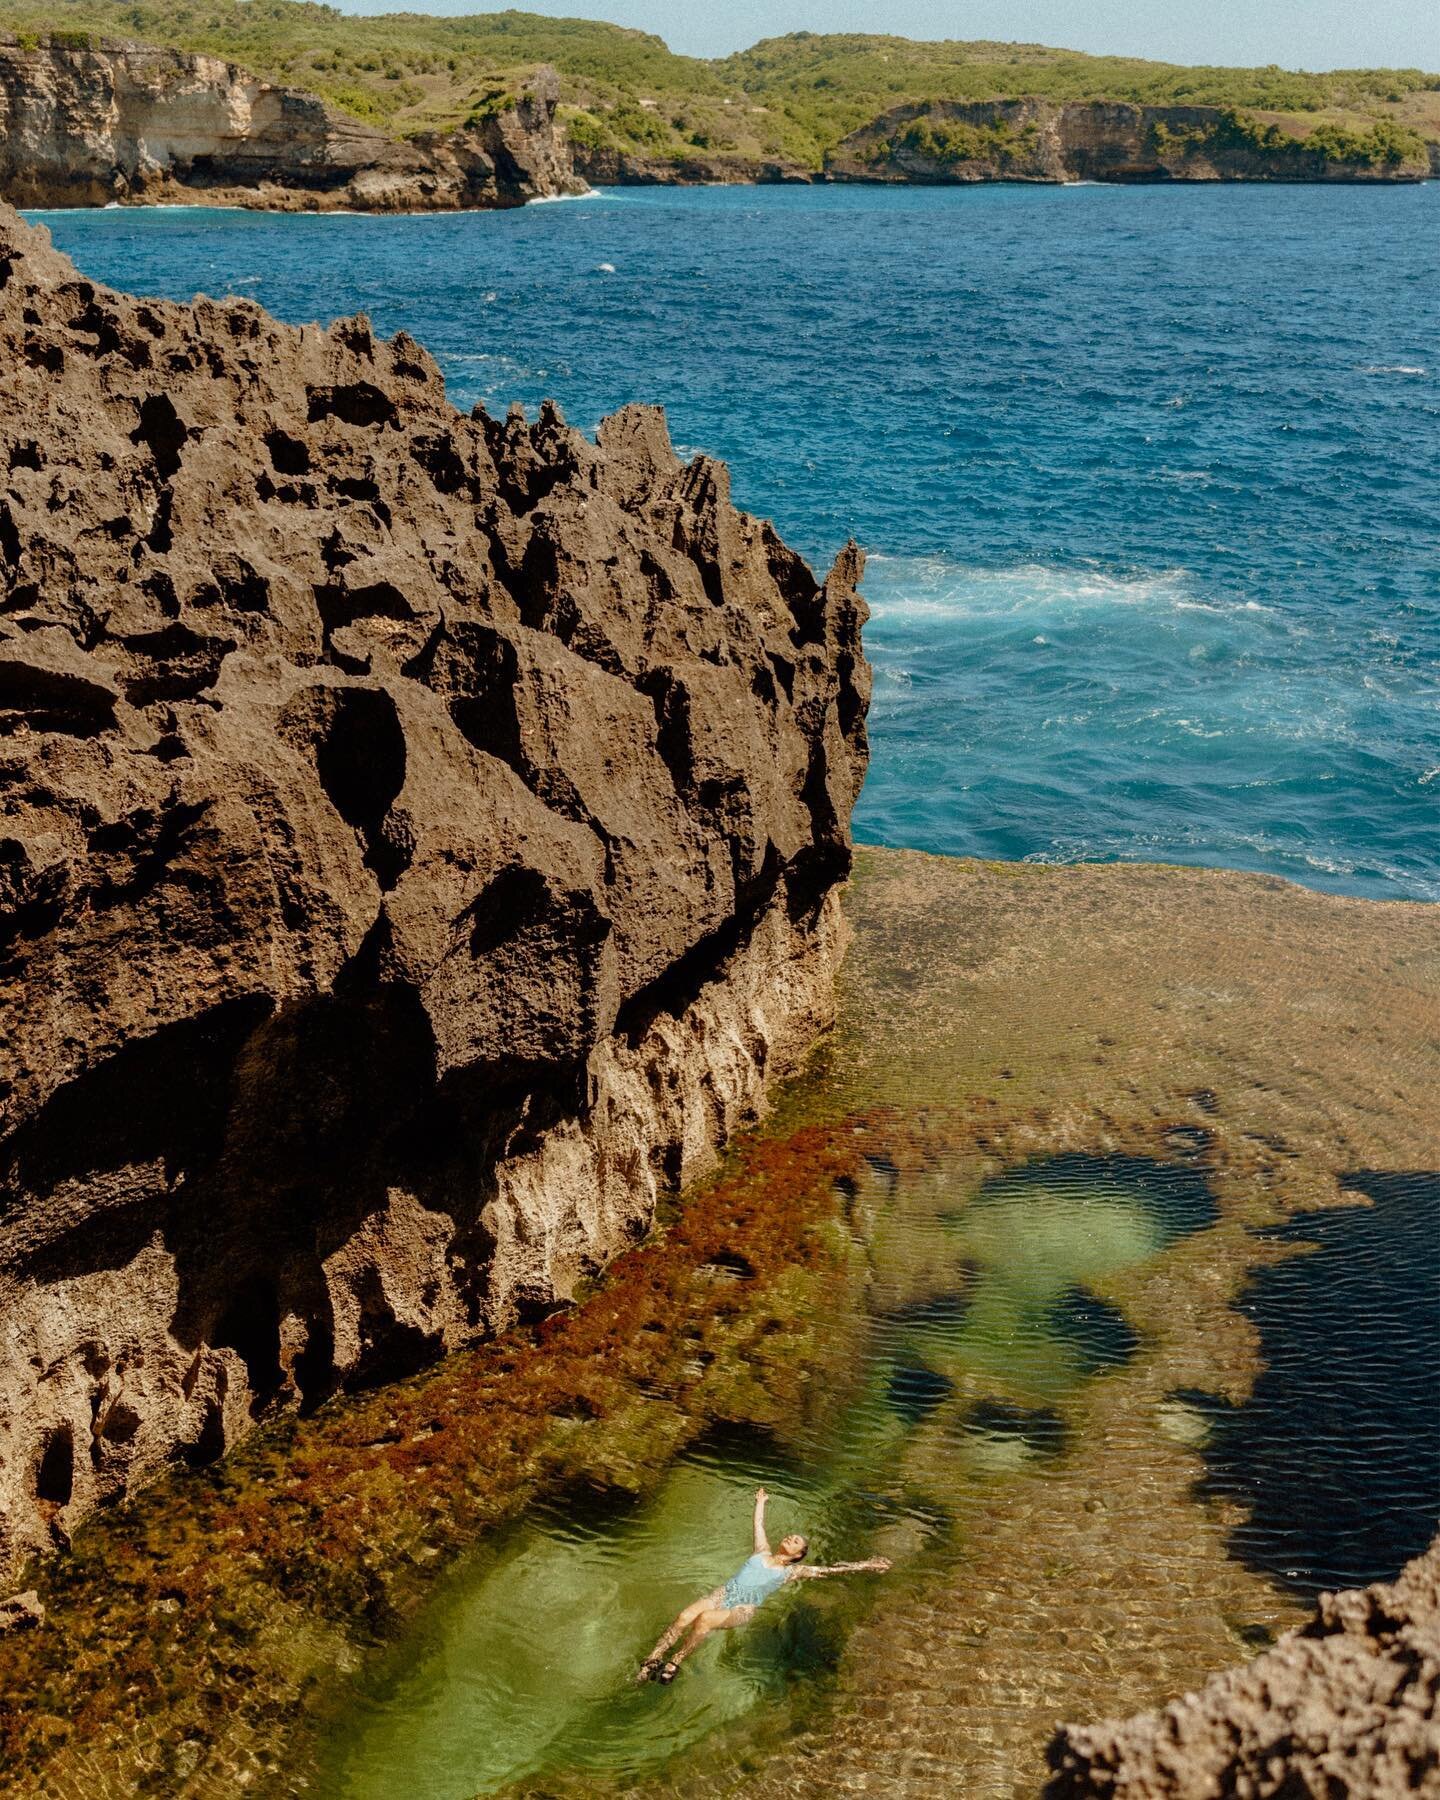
[{"x": 1149, "y": 478}]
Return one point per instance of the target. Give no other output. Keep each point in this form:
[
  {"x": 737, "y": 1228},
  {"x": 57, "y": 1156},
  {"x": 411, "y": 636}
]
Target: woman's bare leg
[
  {"x": 683, "y": 1621},
  {"x": 700, "y": 1629},
  {"x": 710, "y": 1620},
  {"x": 667, "y": 1637}
]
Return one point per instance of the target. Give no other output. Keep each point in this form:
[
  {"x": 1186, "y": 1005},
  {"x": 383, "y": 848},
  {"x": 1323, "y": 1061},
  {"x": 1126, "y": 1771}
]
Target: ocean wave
[
  {"x": 560, "y": 199},
  {"x": 1253, "y": 850},
  {"x": 900, "y": 587}
]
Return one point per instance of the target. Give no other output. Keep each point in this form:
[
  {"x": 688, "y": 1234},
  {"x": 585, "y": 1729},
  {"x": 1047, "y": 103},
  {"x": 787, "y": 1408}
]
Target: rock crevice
[{"x": 410, "y": 865}]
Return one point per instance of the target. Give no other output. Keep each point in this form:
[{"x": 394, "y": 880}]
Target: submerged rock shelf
[{"x": 1057, "y": 1554}]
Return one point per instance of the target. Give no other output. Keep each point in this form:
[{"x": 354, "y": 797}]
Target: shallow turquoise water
[
  {"x": 979, "y": 1322},
  {"x": 1148, "y": 474}
]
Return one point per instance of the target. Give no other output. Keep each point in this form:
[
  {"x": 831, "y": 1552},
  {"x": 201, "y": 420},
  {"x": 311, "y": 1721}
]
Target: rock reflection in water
[
  {"x": 521, "y": 1666},
  {"x": 1337, "y": 1451}
]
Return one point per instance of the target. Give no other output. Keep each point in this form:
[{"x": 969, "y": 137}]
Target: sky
[{"x": 1298, "y": 34}]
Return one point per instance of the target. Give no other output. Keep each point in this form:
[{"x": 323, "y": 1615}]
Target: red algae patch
[{"x": 185, "y": 1629}]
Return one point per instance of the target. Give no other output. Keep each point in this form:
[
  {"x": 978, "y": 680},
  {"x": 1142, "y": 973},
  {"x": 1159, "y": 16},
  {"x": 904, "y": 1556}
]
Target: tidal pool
[
  {"x": 979, "y": 1322},
  {"x": 1102, "y": 1437}
]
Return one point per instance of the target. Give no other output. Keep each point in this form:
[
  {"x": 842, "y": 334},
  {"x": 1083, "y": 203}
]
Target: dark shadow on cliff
[
  {"x": 256, "y": 1146},
  {"x": 145, "y": 1118}
]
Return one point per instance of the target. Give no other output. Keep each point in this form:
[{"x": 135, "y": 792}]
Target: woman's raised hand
[
  {"x": 761, "y": 1496},
  {"x": 880, "y": 1564}
]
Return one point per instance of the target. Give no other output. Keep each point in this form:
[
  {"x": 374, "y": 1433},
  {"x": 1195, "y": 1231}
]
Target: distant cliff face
[
  {"x": 607, "y": 166},
  {"x": 419, "y": 842},
  {"x": 135, "y": 123},
  {"x": 1039, "y": 140},
  {"x": 130, "y": 122}
]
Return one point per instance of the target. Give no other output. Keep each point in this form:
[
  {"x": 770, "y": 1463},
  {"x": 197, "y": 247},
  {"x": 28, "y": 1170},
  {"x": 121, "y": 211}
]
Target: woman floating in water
[{"x": 766, "y": 1572}]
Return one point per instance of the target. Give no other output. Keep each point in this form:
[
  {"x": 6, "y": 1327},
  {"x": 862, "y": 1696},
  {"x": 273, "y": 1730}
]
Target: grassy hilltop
[{"x": 794, "y": 96}]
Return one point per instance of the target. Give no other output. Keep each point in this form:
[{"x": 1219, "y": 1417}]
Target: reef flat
[
  {"x": 1283, "y": 1038},
  {"x": 1058, "y": 1552}
]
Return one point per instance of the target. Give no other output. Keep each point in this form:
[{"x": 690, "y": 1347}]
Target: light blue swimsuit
[{"x": 756, "y": 1582}]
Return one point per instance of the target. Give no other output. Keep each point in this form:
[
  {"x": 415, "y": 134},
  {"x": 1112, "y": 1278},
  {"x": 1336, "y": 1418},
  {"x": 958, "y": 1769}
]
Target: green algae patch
[{"x": 964, "y": 1373}]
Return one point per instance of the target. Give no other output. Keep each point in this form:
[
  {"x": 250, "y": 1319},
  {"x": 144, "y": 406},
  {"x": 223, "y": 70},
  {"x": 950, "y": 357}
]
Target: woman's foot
[
  {"x": 668, "y": 1673},
  {"x": 649, "y": 1669}
]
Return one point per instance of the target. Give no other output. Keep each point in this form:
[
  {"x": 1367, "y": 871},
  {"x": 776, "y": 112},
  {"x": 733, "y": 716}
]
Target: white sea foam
[
  {"x": 604, "y": 268},
  {"x": 559, "y": 199},
  {"x": 919, "y": 587},
  {"x": 1393, "y": 369},
  {"x": 936, "y": 586}
]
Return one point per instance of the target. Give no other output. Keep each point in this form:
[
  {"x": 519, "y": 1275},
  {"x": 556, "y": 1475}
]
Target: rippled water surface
[
  {"x": 979, "y": 1321},
  {"x": 1148, "y": 474},
  {"x": 1337, "y": 1453}
]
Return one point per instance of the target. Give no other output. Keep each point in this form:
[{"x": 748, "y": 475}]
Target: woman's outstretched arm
[
  {"x": 762, "y": 1543},
  {"x": 808, "y": 1572}
]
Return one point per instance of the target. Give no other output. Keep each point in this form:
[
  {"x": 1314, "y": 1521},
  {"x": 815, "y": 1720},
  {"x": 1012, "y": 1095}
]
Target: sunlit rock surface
[
  {"x": 419, "y": 845},
  {"x": 1347, "y": 1706},
  {"x": 124, "y": 122},
  {"x": 1033, "y": 139}
]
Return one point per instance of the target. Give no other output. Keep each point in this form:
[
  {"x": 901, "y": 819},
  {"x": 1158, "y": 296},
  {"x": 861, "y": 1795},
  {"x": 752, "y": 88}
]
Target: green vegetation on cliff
[
  {"x": 831, "y": 85},
  {"x": 794, "y": 96},
  {"x": 1382, "y": 144}
]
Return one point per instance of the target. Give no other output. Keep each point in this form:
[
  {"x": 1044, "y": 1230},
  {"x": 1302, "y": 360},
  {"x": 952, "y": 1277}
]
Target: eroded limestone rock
[
  {"x": 1032, "y": 139},
  {"x": 1347, "y": 1706},
  {"x": 419, "y": 842},
  {"x": 137, "y": 122},
  {"x": 21, "y": 1612}
]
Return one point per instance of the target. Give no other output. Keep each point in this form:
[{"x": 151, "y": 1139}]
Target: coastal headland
[{"x": 309, "y": 109}]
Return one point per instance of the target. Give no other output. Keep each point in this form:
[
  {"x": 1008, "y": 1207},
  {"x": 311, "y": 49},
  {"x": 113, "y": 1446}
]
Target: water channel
[{"x": 980, "y": 1320}]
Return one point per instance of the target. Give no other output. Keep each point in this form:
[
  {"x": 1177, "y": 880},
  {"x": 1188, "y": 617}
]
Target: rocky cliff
[
  {"x": 1347, "y": 1708},
  {"x": 130, "y": 122},
  {"x": 607, "y": 166},
  {"x": 420, "y": 841},
  {"x": 1040, "y": 140}
]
